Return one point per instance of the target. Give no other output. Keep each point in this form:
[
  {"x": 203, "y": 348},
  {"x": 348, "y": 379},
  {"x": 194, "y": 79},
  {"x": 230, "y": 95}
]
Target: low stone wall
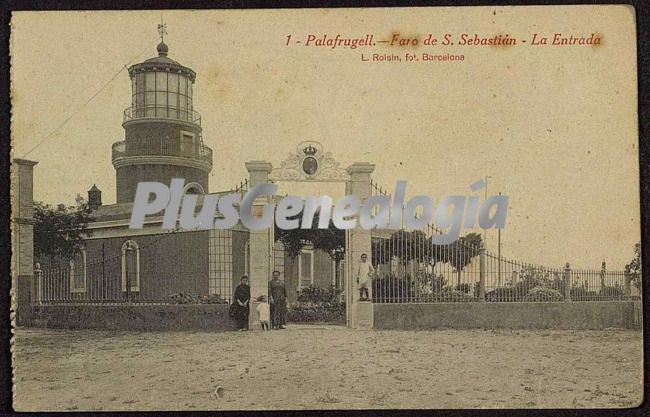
[
  {"x": 553, "y": 315},
  {"x": 477, "y": 315},
  {"x": 133, "y": 317}
]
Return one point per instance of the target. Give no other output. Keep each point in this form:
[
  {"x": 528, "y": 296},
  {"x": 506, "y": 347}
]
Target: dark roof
[
  {"x": 162, "y": 62},
  {"x": 162, "y": 58},
  {"x": 112, "y": 212}
]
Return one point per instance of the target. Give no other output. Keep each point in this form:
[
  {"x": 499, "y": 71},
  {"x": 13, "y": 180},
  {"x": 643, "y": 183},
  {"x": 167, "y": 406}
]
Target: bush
[
  {"x": 438, "y": 282},
  {"x": 307, "y": 312},
  {"x": 544, "y": 294},
  {"x": 582, "y": 294},
  {"x": 425, "y": 288},
  {"x": 464, "y": 287},
  {"x": 447, "y": 294},
  {"x": 455, "y": 295},
  {"x": 393, "y": 288},
  {"x": 502, "y": 294},
  {"x": 518, "y": 294},
  {"x": 531, "y": 277},
  {"x": 613, "y": 292},
  {"x": 319, "y": 295},
  {"x": 185, "y": 298},
  {"x": 315, "y": 304}
]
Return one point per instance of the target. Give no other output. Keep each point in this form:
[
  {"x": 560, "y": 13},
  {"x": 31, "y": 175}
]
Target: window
[
  {"x": 133, "y": 91},
  {"x": 220, "y": 279},
  {"x": 340, "y": 274},
  {"x": 173, "y": 103},
  {"x": 139, "y": 94},
  {"x": 78, "y": 272},
  {"x": 130, "y": 265},
  {"x": 162, "y": 94},
  {"x": 306, "y": 268},
  {"x": 278, "y": 258},
  {"x": 193, "y": 188},
  {"x": 150, "y": 94},
  {"x": 183, "y": 114}
]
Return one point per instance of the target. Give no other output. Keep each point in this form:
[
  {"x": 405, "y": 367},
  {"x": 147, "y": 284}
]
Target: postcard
[{"x": 293, "y": 209}]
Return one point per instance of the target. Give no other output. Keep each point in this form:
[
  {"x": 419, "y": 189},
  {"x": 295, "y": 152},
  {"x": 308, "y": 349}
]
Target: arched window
[
  {"x": 78, "y": 272},
  {"x": 130, "y": 265},
  {"x": 193, "y": 188}
]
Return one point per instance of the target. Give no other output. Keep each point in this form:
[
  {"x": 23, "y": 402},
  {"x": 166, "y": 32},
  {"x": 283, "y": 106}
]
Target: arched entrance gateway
[{"x": 311, "y": 164}]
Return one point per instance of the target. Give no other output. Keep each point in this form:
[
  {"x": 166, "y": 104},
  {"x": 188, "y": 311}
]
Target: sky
[{"x": 554, "y": 128}]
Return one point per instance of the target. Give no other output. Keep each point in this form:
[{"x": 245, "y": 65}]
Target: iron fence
[
  {"x": 409, "y": 268},
  {"x": 170, "y": 268},
  {"x": 241, "y": 188}
]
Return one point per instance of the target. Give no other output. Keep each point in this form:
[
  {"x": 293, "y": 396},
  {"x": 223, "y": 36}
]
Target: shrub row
[
  {"x": 185, "y": 298},
  {"x": 533, "y": 286},
  {"x": 303, "y": 312}
]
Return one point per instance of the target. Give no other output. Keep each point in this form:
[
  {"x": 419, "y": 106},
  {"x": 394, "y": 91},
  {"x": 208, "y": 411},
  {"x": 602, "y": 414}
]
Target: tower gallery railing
[
  {"x": 162, "y": 112},
  {"x": 155, "y": 146}
]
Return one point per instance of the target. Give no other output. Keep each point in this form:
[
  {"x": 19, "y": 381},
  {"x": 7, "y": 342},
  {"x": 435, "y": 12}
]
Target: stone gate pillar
[
  {"x": 22, "y": 239},
  {"x": 261, "y": 244},
  {"x": 358, "y": 242}
]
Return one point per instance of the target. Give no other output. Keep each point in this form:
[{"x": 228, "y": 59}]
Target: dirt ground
[{"x": 312, "y": 367}]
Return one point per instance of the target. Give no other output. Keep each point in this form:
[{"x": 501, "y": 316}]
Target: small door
[{"x": 187, "y": 145}]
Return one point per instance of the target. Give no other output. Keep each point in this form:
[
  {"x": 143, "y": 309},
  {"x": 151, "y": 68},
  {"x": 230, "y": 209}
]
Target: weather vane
[{"x": 162, "y": 29}]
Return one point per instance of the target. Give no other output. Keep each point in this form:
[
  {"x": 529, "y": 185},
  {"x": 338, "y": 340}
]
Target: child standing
[
  {"x": 364, "y": 276},
  {"x": 264, "y": 310}
]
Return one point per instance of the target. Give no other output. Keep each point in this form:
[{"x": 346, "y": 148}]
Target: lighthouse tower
[{"x": 163, "y": 137}]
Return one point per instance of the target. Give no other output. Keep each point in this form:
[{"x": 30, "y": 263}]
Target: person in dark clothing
[
  {"x": 278, "y": 299},
  {"x": 242, "y": 304}
]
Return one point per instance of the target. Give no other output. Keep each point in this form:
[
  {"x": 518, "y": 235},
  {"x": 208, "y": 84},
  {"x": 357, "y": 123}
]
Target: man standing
[
  {"x": 364, "y": 275},
  {"x": 278, "y": 299}
]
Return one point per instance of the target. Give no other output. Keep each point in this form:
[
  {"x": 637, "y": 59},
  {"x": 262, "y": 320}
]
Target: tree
[
  {"x": 293, "y": 240},
  {"x": 633, "y": 269},
  {"x": 460, "y": 253},
  {"x": 407, "y": 246},
  {"x": 330, "y": 240},
  {"x": 58, "y": 231}
]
